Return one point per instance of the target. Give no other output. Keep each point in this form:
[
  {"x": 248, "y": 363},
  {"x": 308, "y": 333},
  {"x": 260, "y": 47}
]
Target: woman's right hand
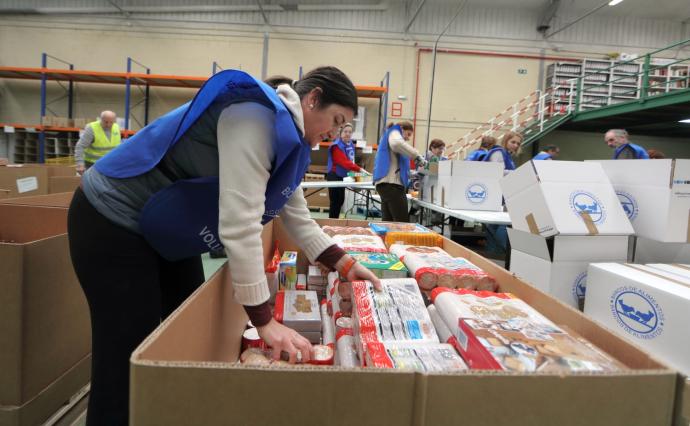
[{"x": 284, "y": 339}]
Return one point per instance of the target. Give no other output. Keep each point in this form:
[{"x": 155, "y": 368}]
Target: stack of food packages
[{"x": 468, "y": 325}]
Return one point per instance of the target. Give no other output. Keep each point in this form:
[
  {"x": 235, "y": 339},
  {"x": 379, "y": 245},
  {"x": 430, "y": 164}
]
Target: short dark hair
[
  {"x": 488, "y": 142},
  {"x": 336, "y": 87},
  {"x": 551, "y": 148},
  {"x": 436, "y": 143}
]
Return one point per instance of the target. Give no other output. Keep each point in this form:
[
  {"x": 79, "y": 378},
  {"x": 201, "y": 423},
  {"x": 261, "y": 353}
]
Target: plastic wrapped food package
[
  {"x": 395, "y": 314},
  {"x": 444, "y": 333},
  {"x": 327, "y": 327},
  {"x": 346, "y": 350},
  {"x": 382, "y": 228},
  {"x": 360, "y": 243},
  {"x": 383, "y": 265},
  {"x": 497, "y": 331},
  {"x": 346, "y": 230},
  {"x": 433, "y": 266},
  {"x": 429, "y": 239},
  {"x": 423, "y": 358}
]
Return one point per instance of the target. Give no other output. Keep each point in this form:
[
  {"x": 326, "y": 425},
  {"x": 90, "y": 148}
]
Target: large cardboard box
[
  {"x": 563, "y": 197},
  {"x": 60, "y": 184},
  {"x": 649, "y": 308},
  {"x": 62, "y": 199},
  {"x": 470, "y": 185},
  {"x": 655, "y": 196},
  {"x": 318, "y": 198},
  {"x": 4, "y": 194},
  {"x": 185, "y": 373},
  {"x": 24, "y": 181},
  {"x": 558, "y": 265},
  {"x": 44, "y": 317},
  {"x": 645, "y": 250}
]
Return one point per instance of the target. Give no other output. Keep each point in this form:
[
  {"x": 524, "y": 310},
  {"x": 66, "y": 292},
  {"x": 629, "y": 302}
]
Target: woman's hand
[
  {"x": 357, "y": 272},
  {"x": 284, "y": 339}
]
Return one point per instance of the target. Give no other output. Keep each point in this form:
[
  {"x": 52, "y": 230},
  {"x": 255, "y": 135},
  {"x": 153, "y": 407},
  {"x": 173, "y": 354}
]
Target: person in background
[
  {"x": 550, "y": 152},
  {"x": 99, "y": 138},
  {"x": 487, "y": 143},
  {"x": 655, "y": 154},
  {"x": 341, "y": 159},
  {"x": 436, "y": 149},
  {"x": 624, "y": 149},
  {"x": 497, "y": 235},
  {"x": 207, "y": 174},
  {"x": 392, "y": 170}
]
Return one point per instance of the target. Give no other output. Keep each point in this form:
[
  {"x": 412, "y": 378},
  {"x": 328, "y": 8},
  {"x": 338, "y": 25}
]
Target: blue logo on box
[
  {"x": 586, "y": 202},
  {"x": 580, "y": 286},
  {"x": 628, "y": 203},
  {"x": 476, "y": 193},
  {"x": 637, "y": 312}
]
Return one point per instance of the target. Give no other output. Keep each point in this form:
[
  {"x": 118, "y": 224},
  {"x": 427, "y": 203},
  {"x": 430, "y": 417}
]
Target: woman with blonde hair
[{"x": 509, "y": 147}]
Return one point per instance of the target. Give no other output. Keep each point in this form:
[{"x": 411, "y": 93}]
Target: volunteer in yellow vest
[{"x": 98, "y": 139}]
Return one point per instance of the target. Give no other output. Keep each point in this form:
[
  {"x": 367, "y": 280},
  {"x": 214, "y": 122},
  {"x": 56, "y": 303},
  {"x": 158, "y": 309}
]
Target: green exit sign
[{"x": 522, "y": 71}]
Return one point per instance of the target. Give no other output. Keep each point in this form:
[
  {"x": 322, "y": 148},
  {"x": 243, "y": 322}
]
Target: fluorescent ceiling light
[
  {"x": 615, "y": 2},
  {"x": 687, "y": 120}
]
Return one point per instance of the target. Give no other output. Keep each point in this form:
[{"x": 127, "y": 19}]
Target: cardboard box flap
[
  {"x": 600, "y": 248},
  {"x": 638, "y": 172},
  {"x": 518, "y": 180},
  {"x": 478, "y": 169},
  {"x": 678, "y": 273},
  {"x": 531, "y": 244},
  {"x": 23, "y": 224},
  {"x": 570, "y": 171},
  {"x": 52, "y": 200},
  {"x": 445, "y": 168},
  {"x": 681, "y": 173}
]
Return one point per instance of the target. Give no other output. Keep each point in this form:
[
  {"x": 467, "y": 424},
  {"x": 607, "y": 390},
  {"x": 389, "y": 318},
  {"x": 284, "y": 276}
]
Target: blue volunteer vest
[
  {"x": 507, "y": 160},
  {"x": 542, "y": 156},
  {"x": 348, "y": 150},
  {"x": 383, "y": 159},
  {"x": 476, "y": 155},
  {"x": 640, "y": 153},
  {"x": 181, "y": 220}
]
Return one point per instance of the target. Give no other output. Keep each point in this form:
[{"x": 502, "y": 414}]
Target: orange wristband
[{"x": 348, "y": 266}]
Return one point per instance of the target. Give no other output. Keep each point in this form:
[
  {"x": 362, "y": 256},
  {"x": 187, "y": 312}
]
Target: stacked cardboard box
[
  {"x": 565, "y": 215},
  {"x": 45, "y": 339},
  {"x": 203, "y": 372},
  {"x": 468, "y": 185}
]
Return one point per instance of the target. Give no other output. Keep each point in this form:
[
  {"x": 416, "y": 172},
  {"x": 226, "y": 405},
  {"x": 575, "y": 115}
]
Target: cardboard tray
[{"x": 184, "y": 373}]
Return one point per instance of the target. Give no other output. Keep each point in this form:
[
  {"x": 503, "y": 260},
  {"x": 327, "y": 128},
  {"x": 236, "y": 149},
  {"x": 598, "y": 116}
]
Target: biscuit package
[
  {"x": 382, "y": 228},
  {"x": 423, "y": 358},
  {"x": 360, "y": 243},
  {"x": 496, "y": 331}
]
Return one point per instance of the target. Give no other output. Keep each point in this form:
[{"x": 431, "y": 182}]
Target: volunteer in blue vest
[
  {"x": 392, "y": 170},
  {"x": 341, "y": 160},
  {"x": 206, "y": 175},
  {"x": 486, "y": 144},
  {"x": 624, "y": 150},
  {"x": 550, "y": 152},
  {"x": 436, "y": 149},
  {"x": 497, "y": 235},
  {"x": 98, "y": 138}
]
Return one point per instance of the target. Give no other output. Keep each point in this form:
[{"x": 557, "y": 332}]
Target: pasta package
[
  {"x": 496, "y": 331},
  {"x": 423, "y": 358},
  {"x": 395, "y": 314},
  {"x": 360, "y": 243},
  {"x": 433, "y": 267},
  {"x": 382, "y": 228},
  {"x": 431, "y": 239},
  {"x": 347, "y": 230}
]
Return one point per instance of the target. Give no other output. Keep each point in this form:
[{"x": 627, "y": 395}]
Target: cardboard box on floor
[
  {"x": 469, "y": 185},
  {"x": 655, "y": 196},
  {"x": 318, "y": 198},
  {"x": 45, "y": 339},
  {"x": 24, "y": 181},
  {"x": 185, "y": 373},
  {"x": 51, "y": 200},
  {"x": 60, "y": 184},
  {"x": 558, "y": 265},
  {"x": 563, "y": 197}
]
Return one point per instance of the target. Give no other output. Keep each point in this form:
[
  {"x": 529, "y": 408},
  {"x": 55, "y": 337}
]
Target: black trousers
[
  {"x": 336, "y": 197},
  {"x": 393, "y": 202},
  {"x": 130, "y": 289}
]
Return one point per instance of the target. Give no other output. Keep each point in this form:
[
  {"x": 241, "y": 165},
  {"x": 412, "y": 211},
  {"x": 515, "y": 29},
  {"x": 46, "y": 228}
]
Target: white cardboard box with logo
[
  {"x": 469, "y": 185},
  {"x": 652, "y": 251},
  {"x": 655, "y": 196},
  {"x": 646, "y": 308},
  {"x": 563, "y": 197},
  {"x": 677, "y": 271},
  {"x": 558, "y": 265}
]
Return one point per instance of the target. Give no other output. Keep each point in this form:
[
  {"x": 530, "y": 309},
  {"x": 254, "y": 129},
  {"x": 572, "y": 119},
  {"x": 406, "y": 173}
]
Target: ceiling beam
[
  {"x": 570, "y": 24},
  {"x": 263, "y": 13},
  {"x": 414, "y": 16},
  {"x": 547, "y": 15}
]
